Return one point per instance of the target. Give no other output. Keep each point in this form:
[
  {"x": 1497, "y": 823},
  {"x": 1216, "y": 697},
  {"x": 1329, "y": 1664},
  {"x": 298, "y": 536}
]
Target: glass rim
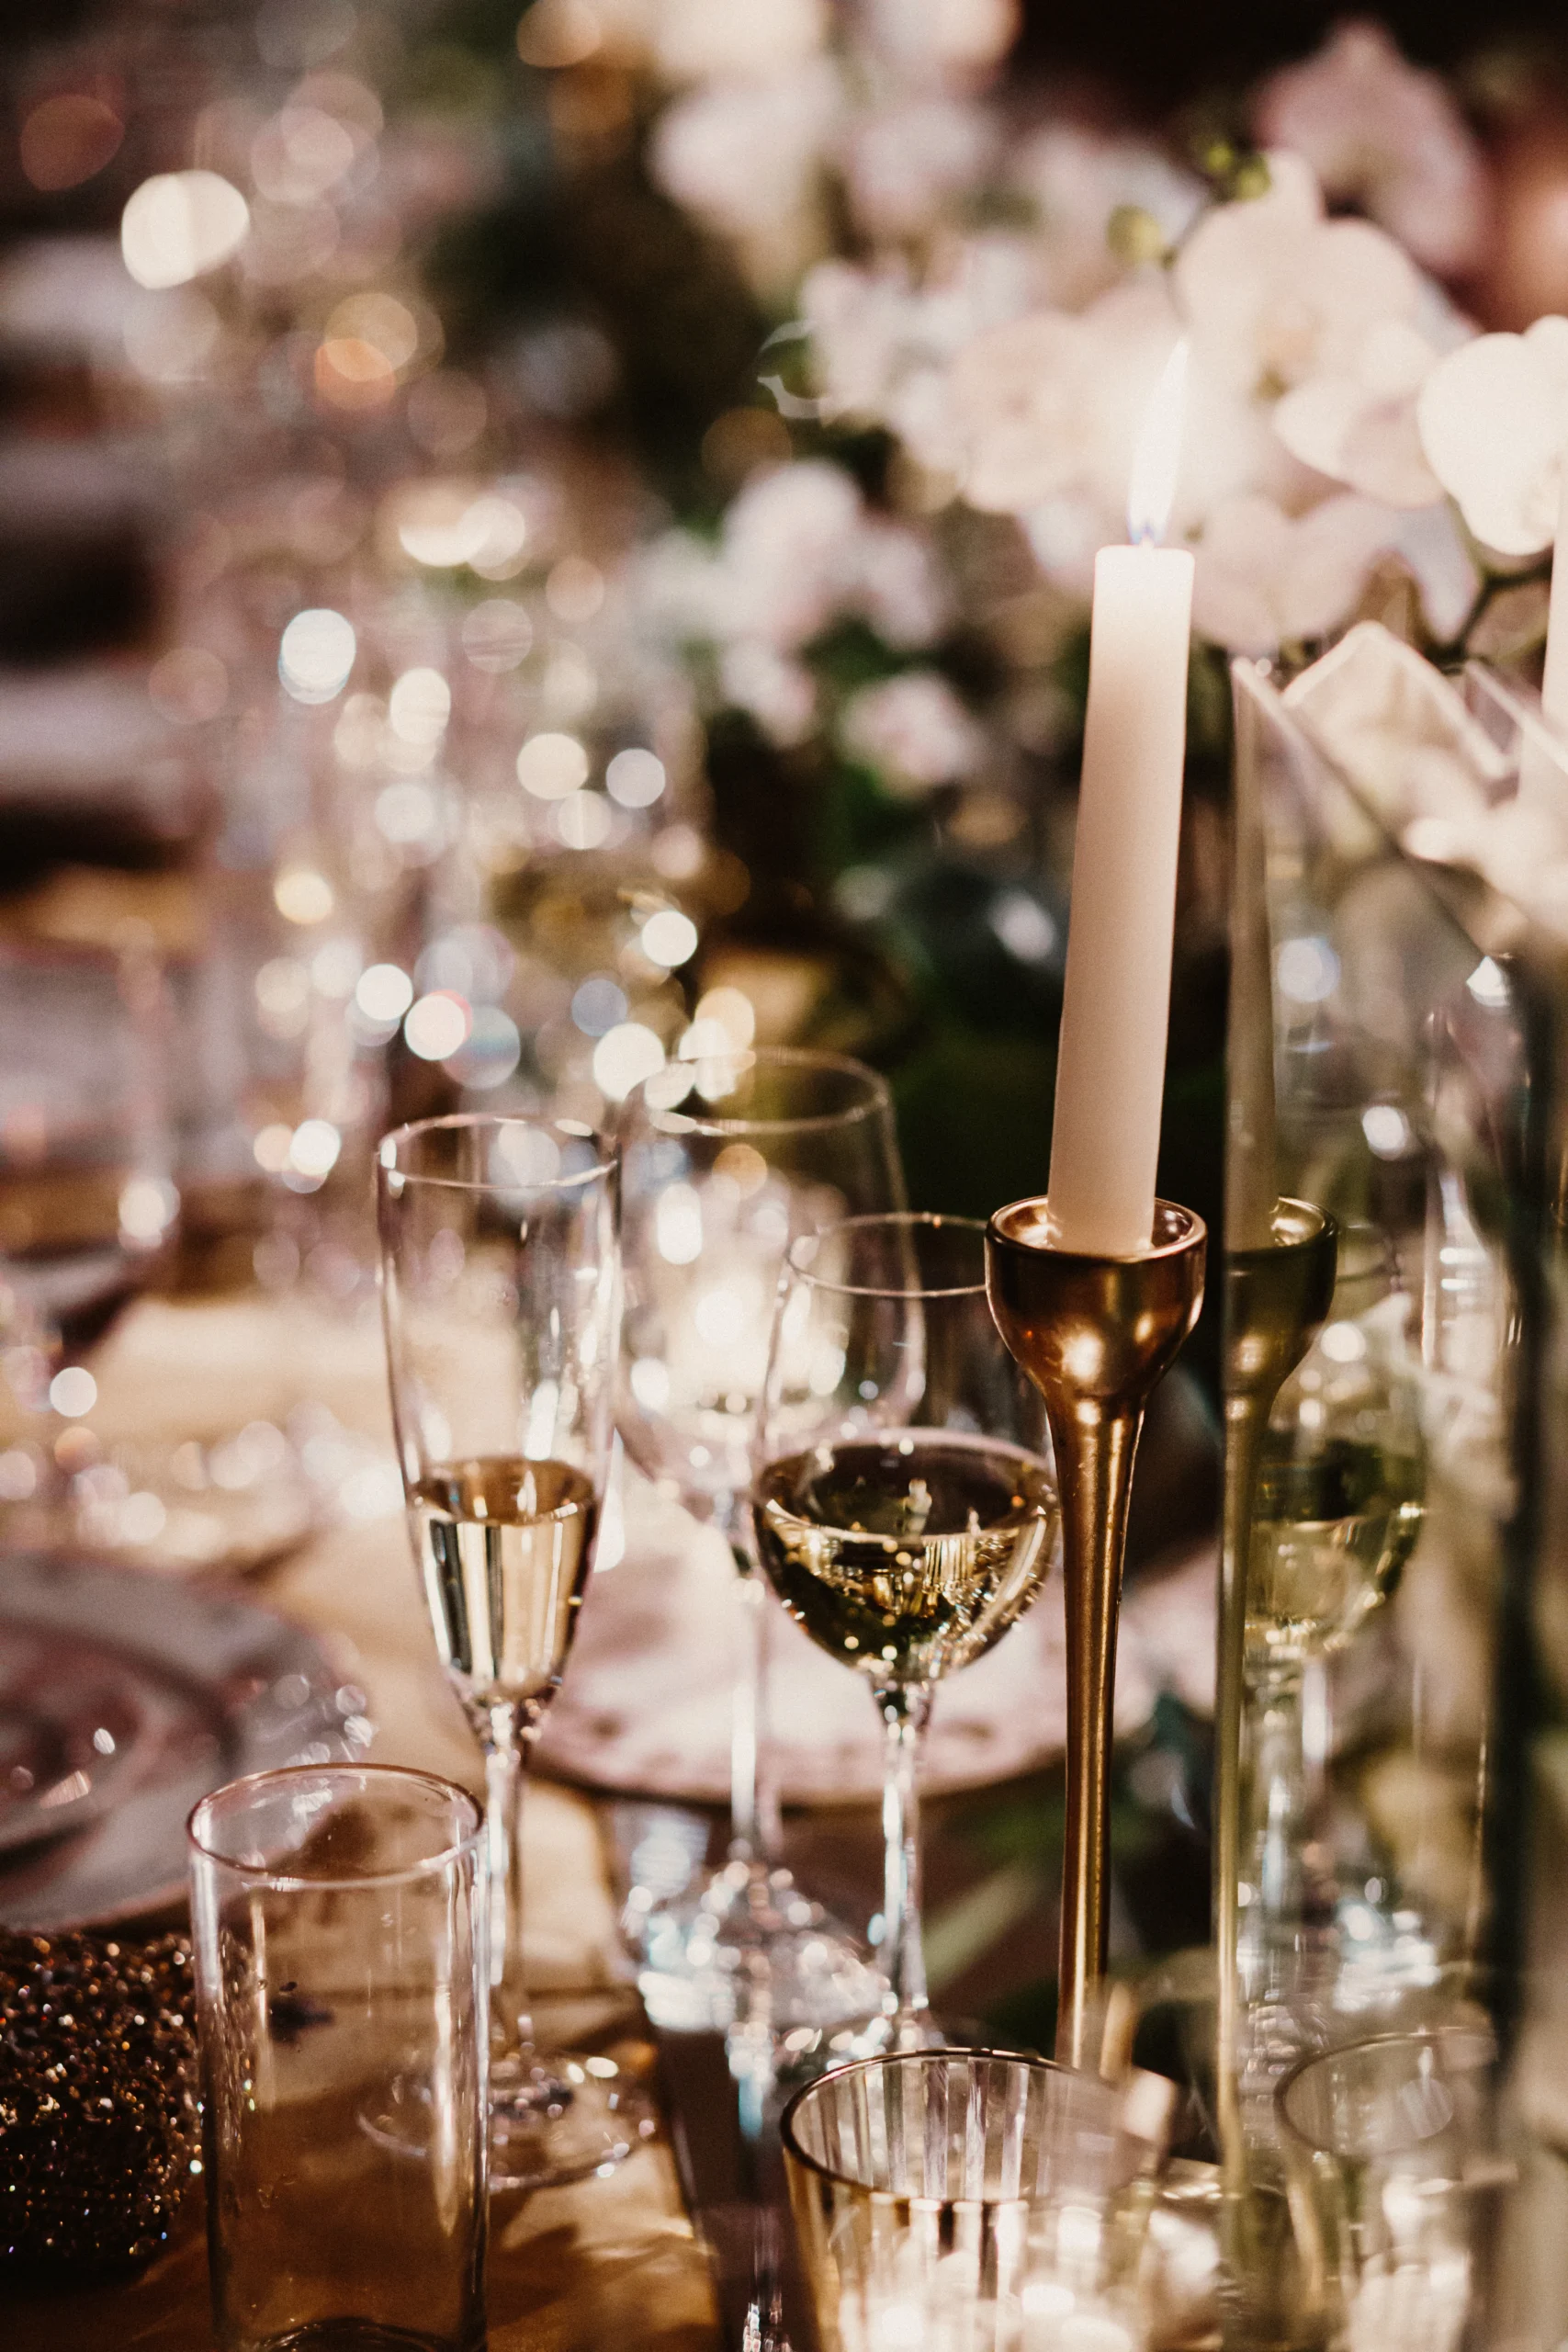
[
  {"x": 878, "y": 1094},
  {"x": 1030, "y": 2059},
  {"x": 454, "y": 1121},
  {"x": 263, "y": 1875},
  {"x": 908, "y": 1219},
  {"x": 1429, "y": 2036}
]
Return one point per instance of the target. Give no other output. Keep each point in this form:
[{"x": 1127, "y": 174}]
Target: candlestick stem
[{"x": 1094, "y": 1334}]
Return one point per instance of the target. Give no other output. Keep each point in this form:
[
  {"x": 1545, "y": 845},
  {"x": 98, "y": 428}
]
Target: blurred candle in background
[{"x": 1116, "y": 1005}]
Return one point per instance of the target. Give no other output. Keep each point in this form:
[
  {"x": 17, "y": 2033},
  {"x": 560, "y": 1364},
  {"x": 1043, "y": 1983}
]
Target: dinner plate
[{"x": 124, "y": 1698}]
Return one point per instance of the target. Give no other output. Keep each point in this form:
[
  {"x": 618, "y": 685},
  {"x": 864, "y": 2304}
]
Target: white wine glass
[
  {"x": 905, "y": 1503},
  {"x": 501, "y": 1296},
  {"x": 726, "y": 1159}
]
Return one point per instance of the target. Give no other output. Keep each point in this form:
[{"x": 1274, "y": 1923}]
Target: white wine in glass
[{"x": 905, "y": 1507}]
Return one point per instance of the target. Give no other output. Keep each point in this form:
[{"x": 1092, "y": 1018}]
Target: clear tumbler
[
  {"x": 342, "y": 1994},
  {"x": 972, "y": 2201}
]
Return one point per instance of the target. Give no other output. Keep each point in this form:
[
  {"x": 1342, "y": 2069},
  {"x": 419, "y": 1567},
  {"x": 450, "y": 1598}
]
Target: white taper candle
[{"x": 1116, "y": 1007}]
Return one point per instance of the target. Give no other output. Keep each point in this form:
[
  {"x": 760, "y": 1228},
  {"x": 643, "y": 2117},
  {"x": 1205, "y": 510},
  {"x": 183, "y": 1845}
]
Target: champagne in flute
[
  {"x": 908, "y": 1554},
  {"x": 504, "y": 1545},
  {"x": 500, "y": 1292}
]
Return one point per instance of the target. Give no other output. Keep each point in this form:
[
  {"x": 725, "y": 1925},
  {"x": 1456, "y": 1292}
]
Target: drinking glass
[
  {"x": 501, "y": 1295},
  {"x": 904, "y": 1508},
  {"x": 339, "y": 1918},
  {"x": 725, "y": 1160},
  {"x": 973, "y": 2200},
  {"x": 1395, "y": 2188},
  {"x": 1338, "y": 1509},
  {"x": 87, "y": 1196}
]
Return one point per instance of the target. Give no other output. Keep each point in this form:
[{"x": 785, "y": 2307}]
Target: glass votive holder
[
  {"x": 969, "y": 2202},
  {"x": 341, "y": 1962},
  {"x": 1396, "y": 2188}
]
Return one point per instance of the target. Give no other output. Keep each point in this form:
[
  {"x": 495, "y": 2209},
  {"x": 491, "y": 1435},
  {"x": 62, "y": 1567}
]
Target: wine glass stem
[
  {"x": 905, "y": 1714},
  {"x": 506, "y": 1743},
  {"x": 1274, "y": 1831},
  {"x": 753, "y": 1797}
]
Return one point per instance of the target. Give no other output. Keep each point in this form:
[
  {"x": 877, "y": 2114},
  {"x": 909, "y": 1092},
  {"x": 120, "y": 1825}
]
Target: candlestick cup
[{"x": 1094, "y": 1334}]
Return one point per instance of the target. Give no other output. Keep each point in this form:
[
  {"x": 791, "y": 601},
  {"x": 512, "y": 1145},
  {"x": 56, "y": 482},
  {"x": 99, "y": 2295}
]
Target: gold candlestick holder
[{"x": 1094, "y": 1334}]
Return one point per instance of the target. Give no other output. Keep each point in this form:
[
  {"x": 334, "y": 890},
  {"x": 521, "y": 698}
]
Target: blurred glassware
[
  {"x": 340, "y": 1931},
  {"x": 905, "y": 1506},
  {"x": 1338, "y": 1512},
  {"x": 88, "y": 1202},
  {"x": 1396, "y": 2189},
  {"x": 975, "y": 2200},
  {"x": 501, "y": 1290},
  {"x": 87, "y": 1198},
  {"x": 725, "y": 1159}
]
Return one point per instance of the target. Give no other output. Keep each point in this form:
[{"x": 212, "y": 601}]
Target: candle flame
[{"x": 1157, "y": 458}]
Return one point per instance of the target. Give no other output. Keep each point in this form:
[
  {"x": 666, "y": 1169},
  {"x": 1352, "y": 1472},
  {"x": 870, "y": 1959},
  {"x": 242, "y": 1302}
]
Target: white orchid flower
[
  {"x": 1384, "y": 135},
  {"x": 1274, "y": 294},
  {"x": 1494, "y": 424},
  {"x": 746, "y": 158},
  {"x": 702, "y": 41},
  {"x": 1266, "y": 578},
  {"x": 906, "y": 165},
  {"x": 937, "y": 39},
  {"x": 1077, "y": 179},
  {"x": 1357, "y": 424},
  {"x": 1023, "y": 399}
]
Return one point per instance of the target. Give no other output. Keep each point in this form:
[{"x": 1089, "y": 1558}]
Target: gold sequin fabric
[{"x": 98, "y": 2115}]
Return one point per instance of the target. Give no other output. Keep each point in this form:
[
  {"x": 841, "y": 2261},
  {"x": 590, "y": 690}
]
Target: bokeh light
[
  {"x": 73, "y": 1392},
  {"x": 497, "y": 635},
  {"x": 419, "y": 707},
  {"x": 668, "y": 938},
  {"x": 178, "y": 226},
  {"x": 636, "y": 778},
  {"x": 437, "y": 1025},
  {"x": 315, "y": 655},
  {"x": 68, "y": 138},
  {"x": 623, "y": 1057},
  {"x": 584, "y": 821},
  {"x": 551, "y": 765},
  {"x": 302, "y": 895},
  {"x": 384, "y": 993},
  {"x": 598, "y": 1005},
  {"x": 491, "y": 1050}
]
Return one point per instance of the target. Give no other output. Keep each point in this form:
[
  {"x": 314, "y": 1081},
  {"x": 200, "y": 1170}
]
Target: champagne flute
[
  {"x": 725, "y": 1159},
  {"x": 501, "y": 1295},
  {"x": 906, "y": 1508}
]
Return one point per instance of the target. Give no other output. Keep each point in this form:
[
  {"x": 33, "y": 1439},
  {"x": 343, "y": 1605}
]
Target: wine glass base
[
  {"x": 752, "y": 1949},
  {"x": 561, "y": 2117},
  {"x": 557, "y": 2117}
]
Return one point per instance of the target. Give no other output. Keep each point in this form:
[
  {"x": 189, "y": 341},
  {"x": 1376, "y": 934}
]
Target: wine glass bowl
[
  {"x": 726, "y": 1159},
  {"x": 906, "y": 1508},
  {"x": 501, "y": 1295}
]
